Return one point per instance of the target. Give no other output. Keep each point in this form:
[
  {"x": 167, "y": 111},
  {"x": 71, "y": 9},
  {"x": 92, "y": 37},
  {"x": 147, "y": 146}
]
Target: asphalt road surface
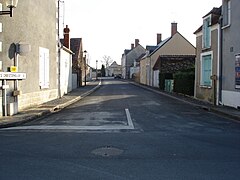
[{"x": 122, "y": 131}]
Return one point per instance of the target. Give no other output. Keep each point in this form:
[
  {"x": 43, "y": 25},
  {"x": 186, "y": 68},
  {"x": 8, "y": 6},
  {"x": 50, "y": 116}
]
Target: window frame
[
  {"x": 226, "y": 13},
  {"x": 202, "y": 81},
  {"x": 206, "y": 44}
]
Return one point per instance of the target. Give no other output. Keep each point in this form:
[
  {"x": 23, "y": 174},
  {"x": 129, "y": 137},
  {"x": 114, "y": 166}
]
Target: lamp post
[
  {"x": 96, "y": 69},
  {"x": 10, "y": 4},
  {"x": 85, "y": 67}
]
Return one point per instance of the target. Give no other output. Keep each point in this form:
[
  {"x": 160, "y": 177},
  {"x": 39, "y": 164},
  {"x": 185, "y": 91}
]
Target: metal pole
[
  {"x": 16, "y": 81},
  {"x": 85, "y": 70},
  {"x": 96, "y": 69},
  {"x": 59, "y": 52},
  {"x": 4, "y": 82}
]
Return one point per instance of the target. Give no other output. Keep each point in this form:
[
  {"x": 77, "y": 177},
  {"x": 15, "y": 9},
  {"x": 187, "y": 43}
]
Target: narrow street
[{"x": 122, "y": 131}]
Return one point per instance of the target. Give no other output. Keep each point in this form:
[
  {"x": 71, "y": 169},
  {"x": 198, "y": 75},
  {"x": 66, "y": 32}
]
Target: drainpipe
[
  {"x": 59, "y": 52},
  {"x": 220, "y": 47},
  {"x": 16, "y": 81}
]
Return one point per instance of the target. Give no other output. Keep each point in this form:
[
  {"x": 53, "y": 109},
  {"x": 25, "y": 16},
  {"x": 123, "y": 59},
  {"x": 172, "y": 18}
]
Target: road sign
[{"x": 12, "y": 76}]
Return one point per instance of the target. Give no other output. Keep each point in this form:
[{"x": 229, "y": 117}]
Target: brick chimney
[
  {"x": 132, "y": 46},
  {"x": 66, "y": 42},
  {"x": 174, "y": 28},
  {"x": 159, "y": 38},
  {"x": 136, "y": 42}
]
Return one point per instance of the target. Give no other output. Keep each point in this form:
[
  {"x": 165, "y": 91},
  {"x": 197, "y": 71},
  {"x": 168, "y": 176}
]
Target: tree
[
  {"x": 103, "y": 71},
  {"x": 107, "y": 61}
]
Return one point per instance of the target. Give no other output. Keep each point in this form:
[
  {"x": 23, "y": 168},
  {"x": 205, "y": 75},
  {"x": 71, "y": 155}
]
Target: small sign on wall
[{"x": 13, "y": 69}]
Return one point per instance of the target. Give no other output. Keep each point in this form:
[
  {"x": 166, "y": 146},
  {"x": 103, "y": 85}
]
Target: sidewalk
[
  {"x": 49, "y": 107},
  {"x": 225, "y": 111}
]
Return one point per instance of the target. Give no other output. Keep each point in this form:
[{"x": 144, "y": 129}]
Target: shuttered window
[
  {"x": 43, "y": 68},
  {"x": 207, "y": 32},
  {"x": 206, "y": 70}
]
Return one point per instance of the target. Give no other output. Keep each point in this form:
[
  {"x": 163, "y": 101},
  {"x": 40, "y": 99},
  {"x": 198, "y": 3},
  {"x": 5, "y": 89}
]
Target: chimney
[
  {"x": 136, "y": 42},
  {"x": 66, "y": 42},
  {"x": 132, "y": 46},
  {"x": 174, "y": 28},
  {"x": 159, "y": 38}
]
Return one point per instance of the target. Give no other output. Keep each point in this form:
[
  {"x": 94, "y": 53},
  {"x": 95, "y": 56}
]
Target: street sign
[{"x": 12, "y": 75}]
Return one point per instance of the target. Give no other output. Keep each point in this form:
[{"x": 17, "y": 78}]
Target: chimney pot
[
  {"x": 132, "y": 46},
  {"x": 174, "y": 28},
  {"x": 136, "y": 42},
  {"x": 159, "y": 38},
  {"x": 66, "y": 42}
]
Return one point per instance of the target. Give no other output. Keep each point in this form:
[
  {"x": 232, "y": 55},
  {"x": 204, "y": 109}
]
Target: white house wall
[
  {"x": 156, "y": 78},
  {"x": 65, "y": 72}
]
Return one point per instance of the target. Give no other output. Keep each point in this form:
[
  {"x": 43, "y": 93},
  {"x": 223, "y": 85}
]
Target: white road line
[
  {"x": 129, "y": 119},
  {"x": 64, "y": 127}
]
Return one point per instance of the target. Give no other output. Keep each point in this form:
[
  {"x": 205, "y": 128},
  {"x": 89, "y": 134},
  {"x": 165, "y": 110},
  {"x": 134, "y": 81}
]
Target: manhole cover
[{"x": 107, "y": 151}]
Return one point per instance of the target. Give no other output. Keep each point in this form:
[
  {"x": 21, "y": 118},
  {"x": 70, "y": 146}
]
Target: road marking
[
  {"x": 129, "y": 119},
  {"x": 66, "y": 127},
  {"x": 63, "y": 127}
]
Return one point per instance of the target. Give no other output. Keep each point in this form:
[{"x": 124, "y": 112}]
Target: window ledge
[
  {"x": 206, "y": 48},
  {"x": 226, "y": 26},
  {"x": 205, "y": 87}
]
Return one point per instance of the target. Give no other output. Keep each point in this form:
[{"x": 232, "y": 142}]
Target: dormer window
[{"x": 206, "y": 32}]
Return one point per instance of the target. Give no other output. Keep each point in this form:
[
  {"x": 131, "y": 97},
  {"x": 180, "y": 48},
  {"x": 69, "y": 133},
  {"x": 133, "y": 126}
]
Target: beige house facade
[
  {"x": 207, "y": 58},
  {"x": 174, "y": 45}
]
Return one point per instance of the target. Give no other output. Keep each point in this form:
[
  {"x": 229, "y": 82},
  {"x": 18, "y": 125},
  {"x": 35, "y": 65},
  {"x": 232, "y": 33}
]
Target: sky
[{"x": 108, "y": 27}]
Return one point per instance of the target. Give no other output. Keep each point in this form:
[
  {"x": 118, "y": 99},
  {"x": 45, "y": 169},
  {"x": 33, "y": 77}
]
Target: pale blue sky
[{"x": 110, "y": 26}]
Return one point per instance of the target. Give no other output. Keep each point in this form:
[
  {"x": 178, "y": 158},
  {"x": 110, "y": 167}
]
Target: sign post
[{"x": 4, "y": 76}]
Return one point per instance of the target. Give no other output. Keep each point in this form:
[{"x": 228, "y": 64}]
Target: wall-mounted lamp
[{"x": 10, "y": 4}]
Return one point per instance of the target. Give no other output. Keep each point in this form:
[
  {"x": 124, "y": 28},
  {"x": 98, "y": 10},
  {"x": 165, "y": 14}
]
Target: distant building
[
  {"x": 129, "y": 56},
  {"x": 113, "y": 69}
]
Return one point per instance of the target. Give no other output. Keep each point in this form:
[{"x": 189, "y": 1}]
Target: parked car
[{"x": 118, "y": 76}]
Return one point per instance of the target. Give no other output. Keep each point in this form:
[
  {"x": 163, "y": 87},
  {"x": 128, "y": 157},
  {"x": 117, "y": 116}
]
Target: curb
[
  {"x": 233, "y": 117},
  {"x": 50, "y": 110}
]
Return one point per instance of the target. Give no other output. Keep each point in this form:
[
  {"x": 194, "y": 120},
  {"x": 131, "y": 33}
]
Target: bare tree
[{"x": 107, "y": 60}]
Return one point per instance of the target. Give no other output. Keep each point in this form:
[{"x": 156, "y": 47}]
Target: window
[
  {"x": 227, "y": 13},
  {"x": 206, "y": 69},
  {"x": 43, "y": 68},
  {"x": 207, "y": 32}
]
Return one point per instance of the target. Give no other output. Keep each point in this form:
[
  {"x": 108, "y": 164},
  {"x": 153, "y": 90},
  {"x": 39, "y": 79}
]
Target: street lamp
[
  {"x": 96, "y": 69},
  {"x": 10, "y": 4},
  {"x": 85, "y": 66}
]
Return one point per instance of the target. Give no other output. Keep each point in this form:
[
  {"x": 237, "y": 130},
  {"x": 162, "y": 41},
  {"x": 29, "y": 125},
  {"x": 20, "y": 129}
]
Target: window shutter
[
  {"x": 43, "y": 67},
  {"x": 46, "y": 81},
  {"x": 206, "y": 70}
]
